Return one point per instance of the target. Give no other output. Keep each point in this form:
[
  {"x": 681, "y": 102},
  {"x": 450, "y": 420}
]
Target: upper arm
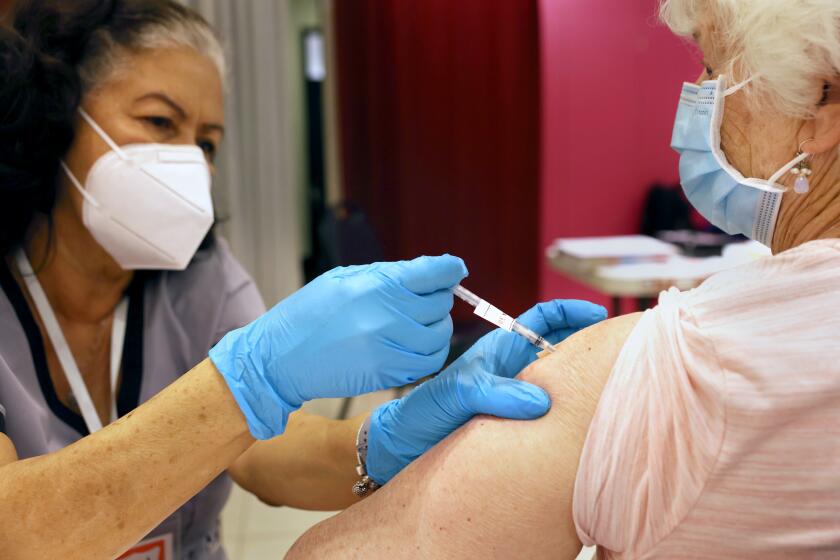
[
  {"x": 8, "y": 454},
  {"x": 241, "y": 300},
  {"x": 495, "y": 488},
  {"x": 242, "y": 306}
]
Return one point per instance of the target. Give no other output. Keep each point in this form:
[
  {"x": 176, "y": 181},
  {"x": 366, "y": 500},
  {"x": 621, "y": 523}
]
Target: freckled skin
[
  {"x": 136, "y": 471},
  {"x": 758, "y": 141},
  {"x": 512, "y": 481},
  {"x": 82, "y": 281}
]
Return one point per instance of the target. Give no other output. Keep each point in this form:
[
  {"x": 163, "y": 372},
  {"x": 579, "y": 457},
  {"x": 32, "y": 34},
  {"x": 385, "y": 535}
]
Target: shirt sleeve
[
  {"x": 243, "y": 302},
  {"x": 242, "y": 306},
  {"x": 2, "y": 420},
  {"x": 655, "y": 436},
  {"x": 714, "y": 389}
]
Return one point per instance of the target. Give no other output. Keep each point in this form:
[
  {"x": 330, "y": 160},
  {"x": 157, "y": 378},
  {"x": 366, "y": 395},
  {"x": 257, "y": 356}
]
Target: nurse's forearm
[
  {"x": 101, "y": 495},
  {"x": 311, "y": 466}
]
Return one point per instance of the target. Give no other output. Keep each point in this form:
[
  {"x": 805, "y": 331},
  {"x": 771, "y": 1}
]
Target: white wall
[{"x": 258, "y": 187}]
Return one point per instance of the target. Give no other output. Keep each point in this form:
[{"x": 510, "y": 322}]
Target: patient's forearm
[
  {"x": 494, "y": 489},
  {"x": 311, "y": 466}
]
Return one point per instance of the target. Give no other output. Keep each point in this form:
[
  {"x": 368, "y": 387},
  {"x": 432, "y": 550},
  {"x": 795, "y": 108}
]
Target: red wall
[
  {"x": 439, "y": 104},
  {"x": 611, "y": 78}
]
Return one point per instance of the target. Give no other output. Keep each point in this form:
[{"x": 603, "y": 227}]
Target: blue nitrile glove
[
  {"x": 479, "y": 382},
  {"x": 350, "y": 331}
]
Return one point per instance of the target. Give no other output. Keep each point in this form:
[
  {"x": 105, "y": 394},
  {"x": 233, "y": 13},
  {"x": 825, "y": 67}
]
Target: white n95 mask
[
  {"x": 734, "y": 203},
  {"x": 147, "y": 205}
]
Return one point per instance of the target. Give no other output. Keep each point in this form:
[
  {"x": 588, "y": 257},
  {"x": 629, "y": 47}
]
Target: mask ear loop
[
  {"x": 774, "y": 180},
  {"x": 105, "y": 138},
  {"x": 102, "y": 134},
  {"x": 737, "y": 87},
  {"x": 715, "y": 123},
  {"x": 780, "y": 173},
  {"x": 78, "y": 185}
]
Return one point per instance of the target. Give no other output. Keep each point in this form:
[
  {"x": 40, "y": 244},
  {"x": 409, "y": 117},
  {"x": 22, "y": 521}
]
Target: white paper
[{"x": 626, "y": 246}]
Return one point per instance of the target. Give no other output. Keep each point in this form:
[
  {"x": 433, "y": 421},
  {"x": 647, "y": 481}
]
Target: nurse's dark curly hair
[{"x": 51, "y": 53}]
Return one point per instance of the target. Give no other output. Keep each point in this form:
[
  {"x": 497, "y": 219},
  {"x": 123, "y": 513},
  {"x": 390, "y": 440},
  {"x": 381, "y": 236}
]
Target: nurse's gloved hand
[
  {"x": 506, "y": 354},
  {"x": 350, "y": 331},
  {"x": 479, "y": 382}
]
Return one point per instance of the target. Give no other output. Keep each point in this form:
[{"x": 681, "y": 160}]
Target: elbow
[
  {"x": 267, "y": 500},
  {"x": 242, "y": 472},
  {"x": 245, "y": 475}
]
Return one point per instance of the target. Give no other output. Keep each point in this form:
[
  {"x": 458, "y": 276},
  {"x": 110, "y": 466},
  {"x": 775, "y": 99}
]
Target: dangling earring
[{"x": 802, "y": 171}]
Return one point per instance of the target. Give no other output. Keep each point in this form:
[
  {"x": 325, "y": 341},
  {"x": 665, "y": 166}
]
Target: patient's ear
[{"x": 825, "y": 127}]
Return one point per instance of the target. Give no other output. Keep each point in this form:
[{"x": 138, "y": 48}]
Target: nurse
[{"x": 113, "y": 285}]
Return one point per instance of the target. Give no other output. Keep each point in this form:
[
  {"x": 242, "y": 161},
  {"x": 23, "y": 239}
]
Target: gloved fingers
[
  {"x": 409, "y": 366},
  {"x": 434, "y": 362},
  {"x": 498, "y": 352},
  {"x": 422, "y": 339},
  {"x": 426, "y": 275},
  {"x": 484, "y": 393},
  {"x": 581, "y": 314},
  {"x": 387, "y": 455},
  {"x": 558, "y": 314},
  {"x": 425, "y": 309},
  {"x": 353, "y": 270}
]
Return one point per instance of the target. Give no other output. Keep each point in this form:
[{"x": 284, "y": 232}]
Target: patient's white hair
[{"x": 789, "y": 47}]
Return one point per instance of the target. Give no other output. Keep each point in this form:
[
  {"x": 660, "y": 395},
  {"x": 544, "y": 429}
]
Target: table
[{"x": 640, "y": 267}]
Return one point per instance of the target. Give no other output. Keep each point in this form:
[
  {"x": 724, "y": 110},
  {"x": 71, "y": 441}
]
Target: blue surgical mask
[{"x": 734, "y": 203}]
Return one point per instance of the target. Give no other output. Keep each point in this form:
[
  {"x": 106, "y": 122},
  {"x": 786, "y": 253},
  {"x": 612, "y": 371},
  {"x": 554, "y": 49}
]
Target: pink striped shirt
[{"x": 718, "y": 433}]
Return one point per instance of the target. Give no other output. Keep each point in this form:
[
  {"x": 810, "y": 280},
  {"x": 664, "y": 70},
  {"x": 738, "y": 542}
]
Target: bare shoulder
[
  {"x": 495, "y": 488},
  {"x": 7, "y": 450},
  {"x": 575, "y": 375}
]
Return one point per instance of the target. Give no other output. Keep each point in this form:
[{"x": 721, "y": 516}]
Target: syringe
[{"x": 501, "y": 319}]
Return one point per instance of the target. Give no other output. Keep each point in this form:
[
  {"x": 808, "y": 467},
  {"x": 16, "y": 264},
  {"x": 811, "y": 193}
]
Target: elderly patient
[{"x": 708, "y": 427}]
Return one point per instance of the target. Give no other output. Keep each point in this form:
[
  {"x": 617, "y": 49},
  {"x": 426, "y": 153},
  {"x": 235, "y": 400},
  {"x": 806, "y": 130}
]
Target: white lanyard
[{"x": 62, "y": 350}]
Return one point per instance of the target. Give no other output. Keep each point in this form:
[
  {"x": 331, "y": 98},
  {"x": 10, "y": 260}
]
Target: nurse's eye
[
  {"x": 163, "y": 124},
  {"x": 709, "y": 71},
  {"x": 209, "y": 149}
]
